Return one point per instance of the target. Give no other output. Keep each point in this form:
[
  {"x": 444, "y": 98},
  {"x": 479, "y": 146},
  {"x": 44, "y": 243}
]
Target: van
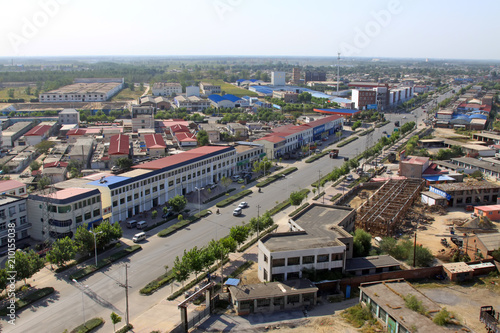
[
  {"x": 378, "y": 240},
  {"x": 139, "y": 237},
  {"x": 131, "y": 224},
  {"x": 142, "y": 224}
]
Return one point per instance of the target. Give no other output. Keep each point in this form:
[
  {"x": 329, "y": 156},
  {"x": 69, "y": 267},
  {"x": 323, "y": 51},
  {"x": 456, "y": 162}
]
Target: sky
[{"x": 434, "y": 29}]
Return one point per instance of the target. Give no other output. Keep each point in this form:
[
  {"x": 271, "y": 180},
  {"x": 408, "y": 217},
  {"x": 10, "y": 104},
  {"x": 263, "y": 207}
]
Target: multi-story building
[
  {"x": 286, "y": 96},
  {"x": 400, "y": 95},
  {"x": 212, "y": 130},
  {"x": 191, "y": 103},
  {"x": 461, "y": 194},
  {"x": 38, "y": 133},
  {"x": 13, "y": 187},
  {"x": 364, "y": 97},
  {"x": 166, "y": 89},
  {"x": 14, "y": 132},
  {"x": 13, "y": 216},
  {"x": 159, "y": 102},
  {"x": 237, "y": 130},
  {"x": 209, "y": 89},
  {"x": 84, "y": 90},
  {"x": 315, "y": 76},
  {"x": 69, "y": 116},
  {"x": 278, "y": 78},
  {"x": 155, "y": 144},
  {"x": 296, "y": 75},
  {"x": 246, "y": 154},
  {"x": 119, "y": 147},
  {"x": 192, "y": 91}
]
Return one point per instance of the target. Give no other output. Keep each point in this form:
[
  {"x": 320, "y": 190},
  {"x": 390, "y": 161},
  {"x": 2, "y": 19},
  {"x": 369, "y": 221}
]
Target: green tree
[
  {"x": 115, "y": 319},
  {"x": 43, "y": 182},
  {"x": 3, "y": 279},
  {"x": 387, "y": 245},
  {"x": 124, "y": 163},
  {"x": 5, "y": 169},
  {"x": 27, "y": 91},
  {"x": 192, "y": 258},
  {"x": 207, "y": 258},
  {"x": 202, "y": 138},
  {"x": 44, "y": 146},
  {"x": 74, "y": 168},
  {"x": 63, "y": 250},
  {"x": 177, "y": 203},
  {"x": 226, "y": 182},
  {"x": 35, "y": 165},
  {"x": 442, "y": 318},
  {"x": 154, "y": 214},
  {"x": 477, "y": 174},
  {"x": 180, "y": 270},
  {"x": 10, "y": 92},
  {"x": 296, "y": 198},
  {"x": 27, "y": 264},
  {"x": 106, "y": 233},
  {"x": 361, "y": 243},
  {"x": 84, "y": 240},
  {"x": 229, "y": 244},
  {"x": 239, "y": 233},
  {"x": 424, "y": 257}
]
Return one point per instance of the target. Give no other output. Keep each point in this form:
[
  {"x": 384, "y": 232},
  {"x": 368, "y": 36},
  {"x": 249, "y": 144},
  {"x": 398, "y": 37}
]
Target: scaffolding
[{"x": 381, "y": 213}]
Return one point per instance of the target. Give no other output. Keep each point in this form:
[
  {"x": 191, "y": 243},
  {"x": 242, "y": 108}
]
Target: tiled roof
[
  {"x": 119, "y": 145},
  {"x": 154, "y": 141},
  {"x": 7, "y": 185},
  {"x": 38, "y": 130},
  {"x": 186, "y": 137}
]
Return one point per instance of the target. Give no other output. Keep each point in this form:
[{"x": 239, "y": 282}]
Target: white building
[
  {"x": 192, "y": 91},
  {"x": 69, "y": 116},
  {"x": 167, "y": 89},
  {"x": 400, "y": 95},
  {"x": 209, "y": 89},
  {"x": 278, "y": 78},
  {"x": 84, "y": 90},
  {"x": 13, "y": 218}
]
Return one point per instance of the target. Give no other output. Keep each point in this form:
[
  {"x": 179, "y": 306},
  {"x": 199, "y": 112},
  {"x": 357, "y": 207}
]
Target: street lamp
[
  {"x": 82, "y": 287},
  {"x": 199, "y": 200},
  {"x": 95, "y": 242}
]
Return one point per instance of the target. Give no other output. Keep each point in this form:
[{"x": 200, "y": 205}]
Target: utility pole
[
  {"x": 126, "y": 294},
  {"x": 338, "y": 72},
  {"x": 319, "y": 181},
  {"x": 258, "y": 221},
  {"x": 415, "y": 248}
]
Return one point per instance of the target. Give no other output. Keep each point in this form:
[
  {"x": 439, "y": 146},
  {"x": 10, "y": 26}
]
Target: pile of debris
[
  {"x": 476, "y": 223},
  {"x": 436, "y": 209}
]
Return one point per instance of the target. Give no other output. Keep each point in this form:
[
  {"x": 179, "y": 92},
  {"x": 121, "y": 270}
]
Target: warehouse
[{"x": 96, "y": 90}]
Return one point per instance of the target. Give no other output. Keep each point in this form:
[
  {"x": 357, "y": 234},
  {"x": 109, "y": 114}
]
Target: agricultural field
[
  {"x": 127, "y": 94},
  {"x": 230, "y": 89},
  {"x": 19, "y": 92}
]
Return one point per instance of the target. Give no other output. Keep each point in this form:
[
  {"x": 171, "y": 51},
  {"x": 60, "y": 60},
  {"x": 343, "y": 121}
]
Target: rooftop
[
  {"x": 119, "y": 145},
  {"x": 85, "y": 88},
  {"x": 490, "y": 241},
  {"x": 457, "y": 267},
  {"x": 416, "y": 160},
  {"x": 462, "y": 186},
  {"x": 488, "y": 208},
  {"x": 371, "y": 262},
  {"x": 289, "y": 241},
  {"x": 68, "y": 193},
  {"x": 432, "y": 195},
  {"x": 68, "y": 111},
  {"x": 154, "y": 141},
  {"x": 108, "y": 181},
  {"x": 319, "y": 220},
  {"x": 7, "y": 185},
  {"x": 272, "y": 289},
  {"x": 477, "y": 163}
]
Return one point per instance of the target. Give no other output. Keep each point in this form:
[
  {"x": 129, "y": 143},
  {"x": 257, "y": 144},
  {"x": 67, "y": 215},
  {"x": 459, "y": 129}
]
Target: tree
[
  {"x": 202, "y": 138},
  {"x": 239, "y": 233},
  {"x": 27, "y": 264},
  {"x": 10, "y": 92},
  {"x": 296, "y": 198},
  {"x": 424, "y": 256},
  {"x": 229, "y": 244},
  {"x": 44, "y": 146},
  {"x": 262, "y": 165},
  {"x": 28, "y": 90},
  {"x": 63, "y": 250},
  {"x": 387, "y": 245},
  {"x": 35, "y": 165},
  {"x": 3, "y": 279},
  {"x": 361, "y": 243},
  {"x": 84, "y": 240},
  {"x": 74, "y": 168},
  {"x": 180, "y": 270},
  {"x": 192, "y": 258},
  {"x": 226, "y": 182},
  {"x": 105, "y": 233},
  {"x": 5, "y": 169},
  {"x": 124, "y": 163},
  {"x": 207, "y": 257},
  {"x": 177, "y": 203},
  {"x": 154, "y": 214},
  {"x": 115, "y": 319},
  {"x": 43, "y": 182}
]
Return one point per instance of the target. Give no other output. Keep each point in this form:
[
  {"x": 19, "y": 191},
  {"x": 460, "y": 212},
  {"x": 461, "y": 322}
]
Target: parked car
[
  {"x": 211, "y": 186},
  {"x": 168, "y": 214},
  {"x": 235, "y": 178},
  {"x": 139, "y": 237},
  {"x": 237, "y": 211},
  {"x": 243, "y": 205},
  {"x": 142, "y": 224},
  {"x": 389, "y": 172},
  {"x": 350, "y": 178}
]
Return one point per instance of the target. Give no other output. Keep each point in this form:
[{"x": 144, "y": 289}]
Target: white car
[
  {"x": 388, "y": 172},
  {"x": 237, "y": 211},
  {"x": 350, "y": 178},
  {"x": 243, "y": 205}
]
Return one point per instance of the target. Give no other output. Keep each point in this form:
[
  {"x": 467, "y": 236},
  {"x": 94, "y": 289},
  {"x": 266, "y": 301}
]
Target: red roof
[
  {"x": 154, "y": 141},
  {"x": 39, "y": 130},
  {"x": 179, "y": 129},
  {"x": 6, "y": 185},
  {"x": 488, "y": 208},
  {"x": 77, "y": 131},
  {"x": 55, "y": 165},
  {"x": 183, "y": 157},
  {"x": 119, "y": 145},
  {"x": 272, "y": 138},
  {"x": 416, "y": 160},
  {"x": 186, "y": 137}
]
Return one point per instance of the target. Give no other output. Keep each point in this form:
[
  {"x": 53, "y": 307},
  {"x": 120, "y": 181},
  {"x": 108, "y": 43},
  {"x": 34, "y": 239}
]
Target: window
[
  {"x": 292, "y": 299},
  {"x": 88, "y": 216},
  {"x": 115, "y": 203},
  {"x": 79, "y": 219},
  {"x": 308, "y": 260},
  {"x": 171, "y": 183},
  {"x": 146, "y": 192},
  {"x": 122, "y": 201},
  {"x": 12, "y": 210},
  {"x": 293, "y": 261},
  {"x": 279, "y": 262},
  {"x": 155, "y": 189},
  {"x": 23, "y": 220},
  {"x": 97, "y": 212},
  {"x": 2, "y": 213},
  {"x": 22, "y": 207},
  {"x": 162, "y": 186},
  {"x": 136, "y": 195},
  {"x": 129, "y": 198},
  {"x": 3, "y": 226},
  {"x": 322, "y": 258},
  {"x": 93, "y": 200},
  {"x": 265, "y": 258},
  {"x": 263, "y": 302},
  {"x": 337, "y": 256}
]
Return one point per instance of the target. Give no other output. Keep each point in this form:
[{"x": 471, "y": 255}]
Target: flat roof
[
  {"x": 432, "y": 195},
  {"x": 272, "y": 289},
  {"x": 135, "y": 173},
  {"x": 389, "y": 296},
  {"x": 288, "y": 241},
  {"x": 490, "y": 241},
  {"x": 7, "y": 185},
  {"x": 477, "y": 163},
  {"x": 337, "y": 111},
  {"x": 462, "y": 186},
  {"x": 5, "y": 199},
  {"x": 68, "y": 193},
  {"x": 108, "y": 181},
  {"x": 488, "y": 208},
  {"x": 371, "y": 262},
  {"x": 318, "y": 219},
  {"x": 457, "y": 267},
  {"x": 85, "y": 88}
]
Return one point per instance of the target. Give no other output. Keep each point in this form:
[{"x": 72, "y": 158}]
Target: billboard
[{"x": 371, "y": 106}]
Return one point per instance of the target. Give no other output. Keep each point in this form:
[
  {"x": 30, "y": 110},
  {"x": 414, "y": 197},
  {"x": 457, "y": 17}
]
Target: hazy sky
[{"x": 386, "y": 28}]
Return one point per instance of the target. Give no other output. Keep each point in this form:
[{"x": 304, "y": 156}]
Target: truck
[
  {"x": 334, "y": 153},
  {"x": 490, "y": 319}
]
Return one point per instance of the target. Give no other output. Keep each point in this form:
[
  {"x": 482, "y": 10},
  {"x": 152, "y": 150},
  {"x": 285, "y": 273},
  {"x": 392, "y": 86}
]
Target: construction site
[{"x": 383, "y": 211}]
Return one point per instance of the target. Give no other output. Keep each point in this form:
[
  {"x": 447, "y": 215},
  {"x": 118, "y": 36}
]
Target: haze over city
[{"x": 392, "y": 28}]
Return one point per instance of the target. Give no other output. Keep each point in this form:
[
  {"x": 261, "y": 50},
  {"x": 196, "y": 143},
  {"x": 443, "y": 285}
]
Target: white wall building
[
  {"x": 69, "y": 116},
  {"x": 192, "y": 91},
  {"x": 167, "y": 89},
  {"x": 278, "y": 78},
  {"x": 84, "y": 90},
  {"x": 13, "y": 218},
  {"x": 209, "y": 89}
]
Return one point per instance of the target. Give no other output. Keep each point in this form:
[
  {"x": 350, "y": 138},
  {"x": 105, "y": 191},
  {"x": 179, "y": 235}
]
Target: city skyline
[{"x": 395, "y": 29}]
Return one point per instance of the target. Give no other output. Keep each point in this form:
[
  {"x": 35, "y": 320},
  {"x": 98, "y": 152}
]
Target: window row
[{"x": 305, "y": 259}]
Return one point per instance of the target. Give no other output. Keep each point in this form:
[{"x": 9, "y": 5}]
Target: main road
[{"x": 103, "y": 291}]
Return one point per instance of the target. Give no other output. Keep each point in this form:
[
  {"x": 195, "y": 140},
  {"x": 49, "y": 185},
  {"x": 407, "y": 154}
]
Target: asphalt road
[{"x": 104, "y": 294}]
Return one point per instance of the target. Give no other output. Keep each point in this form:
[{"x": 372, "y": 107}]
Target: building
[
  {"x": 273, "y": 296},
  {"x": 400, "y": 95},
  {"x": 315, "y": 76},
  {"x": 287, "y": 96},
  {"x": 246, "y": 154},
  {"x": 237, "y": 130},
  {"x": 296, "y": 75},
  {"x": 84, "y": 90},
  {"x": 385, "y": 299},
  {"x": 461, "y": 194},
  {"x": 209, "y": 89},
  {"x": 413, "y": 166},
  {"x": 212, "y": 131},
  {"x": 155, "y": 144},
  {"x": 191, "y": 103},
  {"x": 227, "y": 101},
  {"x": 186, "y": 139},
  {"x": 55, "y": 171},
  {"x": 371, "y": 265},
  {"x": 13, "y": 188},
  {"x": 143, "y": 121},
  {"x": 60, "y": 213},
  {"x": 322, "y": 244},
  {"x": 69, "y": 116},
  {"x": 158, "y": 102},
  {"x": 166, "y": 89},
  {"x": 119, "y": 147},
  {"x": 193, "y": 91},
  {"x": 481, "y": 246},
  {"x": 492, "y": 212},
  {"x": 82, "y": 151},
  {"x": 362, "y": 98},
  {"x": 13, "y": 219},
  {"x": 468, "y": 164},
  {"x": 14, "y": 132},
  {"x": 458, "y": 271},
  {"x": 38, "y": 134},
  {"x": 278, "y": 78}
]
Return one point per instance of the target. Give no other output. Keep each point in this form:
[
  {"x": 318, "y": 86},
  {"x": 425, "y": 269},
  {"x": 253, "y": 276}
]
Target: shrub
[
  {"x": 357, "y": 315},
  {"x": 233, "y": 198},
  {"x": 295, "y": 212},
  {"x": 125, "y": 328},
  {"x": 442, "y": 318},
  {"x": 89, "y": 325},
  {"x": 345, "y": 142},
  {"x": 28, "y": 299},
  {"x": 157, "y": 283},
  {"x": 414, "y": 304}
]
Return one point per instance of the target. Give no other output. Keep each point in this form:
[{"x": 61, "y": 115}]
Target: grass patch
[
  {"x": 295, "y": 212},
  {"x": 335, "y": 197},
  {"x": 443, "y": 317},
  {"x": 319, "y": 195},
  {"x": 283, "y": 205},
  {"x": 345, "y": 142},
  {"x": 28, "y": 299},
  {"x": 125, "y": 328},
  {"x": 219, "y": 195},
  {"x": 358, "y": 315},
  {"x": 88, "y": 326},
  {"x": 276, "y": 176},
  {"x": 243, "y": 267},
  {"x": 233, "y": 198},
  {"x": 104, "y": 262},
  {"x": 316, "y": 157},
  {"x": 367, "y": 132},
  {"x": 254, "y": 240},
  {"x": 127, "y": 94},
  {"x": 19, "y": 93},
  {"x": 412, "y": 303},
  {"x": 157, "y": 283},
  {"x": 230, "y": 89},
  {"x": 183, "y": 223}
]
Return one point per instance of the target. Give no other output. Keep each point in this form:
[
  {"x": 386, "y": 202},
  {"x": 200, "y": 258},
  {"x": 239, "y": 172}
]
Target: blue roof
[
  {"x": 227, "y": 97},
  {"x": 341, "y": 100},
  {"x": 262, "y": 90},
  {"x": 215, "y": 98},
  {"x": 231, "y": 97},
  {"x": 338, "y": 110},
  {"x": 438, "y": 178},
  {"x": 232, "y": 282},
  {"x": 251, "y": 80},
  {"x": 478, "y": 116},
  {"x": 108, "y": 181}
]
